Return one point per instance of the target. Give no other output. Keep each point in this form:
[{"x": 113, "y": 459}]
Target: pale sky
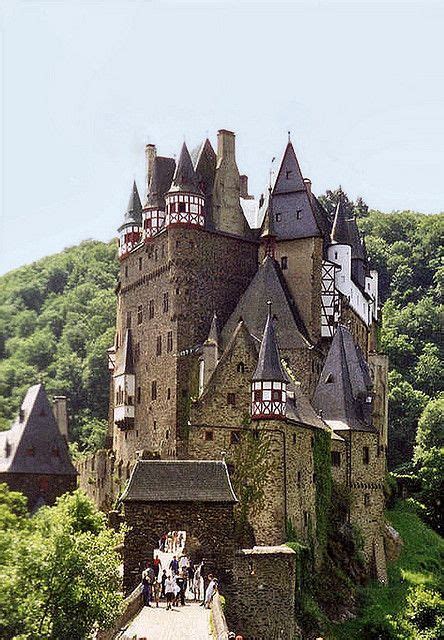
[{"x": 85, "y": 85}]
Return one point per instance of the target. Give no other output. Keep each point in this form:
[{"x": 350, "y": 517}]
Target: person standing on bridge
[
  {"x": 146, "y": 588},
  {"x": 170, "y": 586},
  {"x": 174, "y": 566},
  {"x": 157, "y": 565},
  {"x": 210, "y": 591}
]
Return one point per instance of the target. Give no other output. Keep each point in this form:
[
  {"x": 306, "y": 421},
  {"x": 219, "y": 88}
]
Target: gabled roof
[
  {"x": 134, "y": 210},
  {"x": 185, "y": 178},
  {"x": 292, "y": 201},
  {"x": 34, "y": 444},
  {"x": 269, "y": 363},
  {"x": 179, "y": 481},
  {"x": 163, "y": 172},
  {"x": 269, "y": 284},
  {"x": 344, "y": 386},
  {"x": 340, "y": 229},
  {"x": 124, "y": 357},
  {"x": 213, "y": 334}
]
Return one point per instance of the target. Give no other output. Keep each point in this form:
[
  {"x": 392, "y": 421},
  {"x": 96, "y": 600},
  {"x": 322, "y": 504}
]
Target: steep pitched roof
[
  {"x": 185, "y": 178},
  {"x": 134, "y": 210},
  {"x": 163, "y": 172},
  {"x": 204, "y": 162},
  {"x": 124, "y": 357},
  {"x": 344, "y": 386},
  {"x": 179, "y": 481},
  {"x": 268, "y": 226},
  {"x": 34, "y": 444},
  {"x": 213, "y": 334},
  {"x": 269, "y": 363},
  {"x": 292, "y": 202},
  {"x": 340, "y": 229},
  {"x": 269, "y": 284}
]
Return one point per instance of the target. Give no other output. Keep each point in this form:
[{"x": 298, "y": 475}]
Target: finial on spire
[
  {"x": 289, "y": 136},
  {"x": 269, "y": 303}
]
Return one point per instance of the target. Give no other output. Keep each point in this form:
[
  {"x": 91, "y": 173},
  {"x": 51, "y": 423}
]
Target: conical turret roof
[
  {"x": 163, "y": 172},
  {"x": 213, "y": 335},
  {"x": 269, "y": 364},
  {"x": 185, "y": 178},
  {"x": 134, "y": 211},
  {"x": 339, "y": 232}
]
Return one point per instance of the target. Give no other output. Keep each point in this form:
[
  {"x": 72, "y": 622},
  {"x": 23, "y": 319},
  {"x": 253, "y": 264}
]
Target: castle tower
[
  {"x": 210, "y": 355},
  {"x": 131, "y": 230},
  {"x": 340, "y": 250},
  {"x": 162, "y": 171},
  {"x": 358, "y": 255},
  {"x": 269, "y": 385},
  {"x": 124, "y": 385},
  {"x": 185, "y": 200}
]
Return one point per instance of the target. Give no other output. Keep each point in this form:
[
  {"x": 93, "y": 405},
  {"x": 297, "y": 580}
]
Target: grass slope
[{"x": 420, "y": 563}]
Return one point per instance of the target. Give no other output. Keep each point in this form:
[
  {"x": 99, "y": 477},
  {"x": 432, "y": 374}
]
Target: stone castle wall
[{"x": 101, "y": 478}]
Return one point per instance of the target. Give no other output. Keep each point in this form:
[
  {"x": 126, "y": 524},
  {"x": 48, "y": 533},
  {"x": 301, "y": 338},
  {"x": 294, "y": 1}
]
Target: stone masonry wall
[
  {"x": 38, "y": 487},
  {"x": 211, "y": 524},
  {"x": 262, "y": 605},
  {"x": 101, "y": 478}
]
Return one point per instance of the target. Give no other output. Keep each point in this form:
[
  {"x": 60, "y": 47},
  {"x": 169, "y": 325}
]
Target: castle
[{"x": 242, "y": 318}]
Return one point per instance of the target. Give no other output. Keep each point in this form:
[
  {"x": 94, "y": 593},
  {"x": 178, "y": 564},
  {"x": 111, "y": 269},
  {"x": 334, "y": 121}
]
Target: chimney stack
[
  {"x": 225, "y": 145},
  {"x": 150, "y": 154},
  {"x": 307, "y": 183},
  {"x": 60, "y": 411},
  {"x": 243, "y": 182}
]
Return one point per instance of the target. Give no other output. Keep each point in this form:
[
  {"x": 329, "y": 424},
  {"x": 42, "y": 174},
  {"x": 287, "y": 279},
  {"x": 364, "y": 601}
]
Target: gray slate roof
[
  {"x": 340, "y": 229},
  {"x": 268, "y": 284},
  {"x": 179, "y": 481},
  {"x": 163, "y": 172},
  {"x": 269, "y": 363},
  {"x": 213, "y": 334},
  {"x": 34, "y": 445},
  {"x": 134, "y": 209},
  {"x": 344, "y": 385},
  {"x": 124, "y": 356},
  {"x": 185, "y": 178}
]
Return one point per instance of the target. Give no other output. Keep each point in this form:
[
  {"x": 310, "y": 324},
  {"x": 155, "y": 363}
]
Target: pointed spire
[
  {"x": 162, "y": 176},
  {"x": 134, "y": 210},
  {"x": 268, "y": 234},
  {"x": 339, "y": 232},
  {"x": 269, "y": 364},
  {"x": 213, "y": 335},
  {"x": 185, "y": 178},
  {"x": 355, "y": 239}
]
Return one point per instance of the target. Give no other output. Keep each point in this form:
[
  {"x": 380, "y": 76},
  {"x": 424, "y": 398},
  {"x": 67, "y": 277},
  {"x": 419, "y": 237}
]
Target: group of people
[
  {"x": 171, "y": 585},
  {"x": 172, "y": 541}
]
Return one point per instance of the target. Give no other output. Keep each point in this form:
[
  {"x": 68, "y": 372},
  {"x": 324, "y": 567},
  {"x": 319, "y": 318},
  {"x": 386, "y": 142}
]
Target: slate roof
[
  {"x": 185, "y": 178},
  {"x": 179, "y": 481},
  {"x": 299, "y": 408},
  {"x": 163, "y": 172},
  {"x": 34, "y": 444},
  {"x": 344, "y": 386},
  {"x": 124, "y": 356},
  {"x": 269, "y": 284},
  {"x": 268, "y": 226},
  {"x": 134, "y": 210},
  {"x": 213, "y": 334},
  {"x": 269, "y": 363},
  {"x": 340, "y": 229}
]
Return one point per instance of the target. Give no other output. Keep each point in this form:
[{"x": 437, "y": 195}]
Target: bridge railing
[
  {"x": 219, "y": 624},
  {"x": 131, "y": 607}
]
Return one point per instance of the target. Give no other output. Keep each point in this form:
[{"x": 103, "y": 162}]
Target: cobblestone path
[{"x": 181, "y": 623}]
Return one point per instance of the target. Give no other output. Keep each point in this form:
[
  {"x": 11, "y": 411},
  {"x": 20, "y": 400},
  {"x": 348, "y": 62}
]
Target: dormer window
[
  {"x": 298, "y": 214},
  {"x": 278, "y": 217},
  {"x": 329, "y": 379},
  {"x": 288, "y": 174}
]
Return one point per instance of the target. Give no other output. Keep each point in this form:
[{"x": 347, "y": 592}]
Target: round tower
[
  {"x": 269, "y": 382},
  {"x": 130, "y": 232},
  {"x": 185, "y": 200},
  {"x": 153, "y": 214}
]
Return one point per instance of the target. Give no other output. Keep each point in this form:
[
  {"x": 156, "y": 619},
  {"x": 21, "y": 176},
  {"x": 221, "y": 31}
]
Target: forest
[{"x": 57, "y": 319}]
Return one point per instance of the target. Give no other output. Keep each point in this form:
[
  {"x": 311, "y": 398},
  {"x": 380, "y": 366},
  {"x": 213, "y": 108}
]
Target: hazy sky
[{"x": 86, "y": 84}]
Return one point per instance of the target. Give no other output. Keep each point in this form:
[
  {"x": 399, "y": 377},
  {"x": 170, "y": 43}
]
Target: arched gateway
[{"x": 175, "y": 495}]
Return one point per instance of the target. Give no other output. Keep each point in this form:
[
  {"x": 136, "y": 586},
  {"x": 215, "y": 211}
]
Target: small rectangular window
[
  {"x": 294, "y": 438},
  {"x": 151, "y": 309},
  {"x": 335, "y": 458},
  {"x": 139, "y": 314},
  {"x": 366, "y": 499},
  {"x": 139, "y": 394},
  {"x": 305, "y": 518},
  {"x": 182, "y": 207},
  {"x": 235, "y": 437},
  {"x": 165, "y": 303},
  {"x": 159, "y": 346},
  {"x": 126, "y": 271},
  {"x": 298, "y": 214},
  {"x": 278, "y": 217},
  {"x": 284, "y": 263},
  {"x": 208, "y": 436},
  {"x": 365, "y": 455},
  {"x": 231, "y": 399},
  {"x": 128, "y": 319},
  {"x": 154, "y": 390},
  {"x": 137, "y": 351},
  {"x": 169, "y": 341},
  {"x": 140, "y": 263}
]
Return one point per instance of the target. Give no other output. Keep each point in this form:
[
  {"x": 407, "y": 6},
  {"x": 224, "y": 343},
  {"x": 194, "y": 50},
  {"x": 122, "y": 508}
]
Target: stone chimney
[
  {"x": 225, "y": 145},
  {"x": 150, "y": 154},
  {"x": 59, "y": 409},
  {"x": 243, "y": 182},
  {"x": 307, "y": 183}
]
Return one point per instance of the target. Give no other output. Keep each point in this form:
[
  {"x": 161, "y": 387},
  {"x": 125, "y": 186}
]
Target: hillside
[{"x": 57, "y": 319}]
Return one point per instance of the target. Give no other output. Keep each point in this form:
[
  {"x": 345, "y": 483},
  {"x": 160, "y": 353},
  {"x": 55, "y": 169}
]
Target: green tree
[{"x": 59, "y": 573}]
